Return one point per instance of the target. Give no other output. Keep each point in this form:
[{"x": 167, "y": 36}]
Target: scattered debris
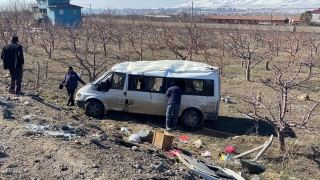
[
  {"x": 229, "y": 149},
  {"x": 162, "y": 140},
  {"x": 184, "y": 139},
  {"x": 227, "y": 100},
  {"x": 95, "y": 166},
  {"x": 197, "y": 143},
  {"x": 124, "y": 129},
  {"x": 206, "y": 154},
  {"x": 263, "y": 148},
  {"x": 134, "y": 148},
  {"x": 172, "y": 153},
  {"x": 206, "y": 171},
  {"x": 51, "y": 131},
  {"x": 304, "y": 97},
  {"x": 135, "y": 138},
  {"x": 26, "y": 103},
  {"x": 159, "y": 168},
  {"x": 224, "y": 157},
  {"x": 145, "y": 135},
  {"x": 252, "y": 166},
  {"x": 5, "y": 112},
  {"x": 29, "y": 117}
]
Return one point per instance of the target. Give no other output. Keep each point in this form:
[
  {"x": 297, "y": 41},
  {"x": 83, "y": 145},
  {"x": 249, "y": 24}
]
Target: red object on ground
[
  {"x": 229, "y": 149},
  {"x": 175, "y": 150},
  {"x": 184, "y": 138}
]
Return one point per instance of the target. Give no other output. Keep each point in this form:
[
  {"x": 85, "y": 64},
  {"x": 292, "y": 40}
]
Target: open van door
[{"x": 146, "y": 95}]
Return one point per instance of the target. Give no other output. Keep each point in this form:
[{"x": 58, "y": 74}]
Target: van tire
[
  {"x": 191, "y": 118},
  {"x": 94, "y": 108}
]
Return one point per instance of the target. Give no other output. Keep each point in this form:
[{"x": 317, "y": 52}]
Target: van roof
[{"x": 167, "y": 68}]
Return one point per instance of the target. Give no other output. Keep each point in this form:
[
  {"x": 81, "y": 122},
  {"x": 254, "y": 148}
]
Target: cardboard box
[{"x": 162, "y": 140}]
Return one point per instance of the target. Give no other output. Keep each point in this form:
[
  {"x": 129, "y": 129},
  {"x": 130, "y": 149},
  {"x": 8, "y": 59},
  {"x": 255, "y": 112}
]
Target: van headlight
[{"x": 78, "y": 95}]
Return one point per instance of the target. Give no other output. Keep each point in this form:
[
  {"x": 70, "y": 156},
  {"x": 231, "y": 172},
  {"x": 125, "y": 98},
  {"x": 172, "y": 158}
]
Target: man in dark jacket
[
  {"x": 71, "y": 82},
  {"x": 12, "y": 56},
  {"x": 174, "y": 93}
]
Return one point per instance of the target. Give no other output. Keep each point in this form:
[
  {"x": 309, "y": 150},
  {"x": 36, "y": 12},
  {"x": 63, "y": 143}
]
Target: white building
[{"x": 315, "y": 19}]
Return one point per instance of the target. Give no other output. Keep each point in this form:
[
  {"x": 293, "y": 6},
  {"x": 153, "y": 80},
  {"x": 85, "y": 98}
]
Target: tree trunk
[
  {"x": 267, "y": 65},
  {"x": 248, "y": 72},
  {"x": 281, "y": 139},
  {"x": 105, "y": 50}
]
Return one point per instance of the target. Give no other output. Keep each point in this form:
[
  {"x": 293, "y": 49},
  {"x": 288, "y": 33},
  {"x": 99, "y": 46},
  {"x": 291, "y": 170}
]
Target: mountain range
[{"x": 255, "y": 4}]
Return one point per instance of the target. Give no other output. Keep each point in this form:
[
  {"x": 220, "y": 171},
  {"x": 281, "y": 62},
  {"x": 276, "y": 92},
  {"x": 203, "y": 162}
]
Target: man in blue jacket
[
  {"x": 71, "y": 82},
  {"x": 174, "y": 93},
  {"x": 12, "y": 56}
]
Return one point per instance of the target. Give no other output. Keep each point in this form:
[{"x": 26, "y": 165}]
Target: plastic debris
[
  {"x": 135, "y": 138},
  {"x": 184, "y": 139},
  {"x": 125, "y": 129},
  {"x": 206, "y": 154},
  {"x": 229, "y": 149},
  {"x": 172, "y": 153}
]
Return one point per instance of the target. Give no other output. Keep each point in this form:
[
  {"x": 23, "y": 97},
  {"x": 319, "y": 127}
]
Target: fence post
[{"x": 38, "y": 75}]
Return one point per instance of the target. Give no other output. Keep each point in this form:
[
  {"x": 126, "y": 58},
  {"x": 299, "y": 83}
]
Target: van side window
[
  {"x": 194, "y": 87},
  {"x": 208, "y": 88},
  {"x": 145, "y": 83},
  {"x": 118, "y": 80}
]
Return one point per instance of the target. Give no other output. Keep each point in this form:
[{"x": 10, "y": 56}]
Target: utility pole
[{"x": 191, "y": 12}]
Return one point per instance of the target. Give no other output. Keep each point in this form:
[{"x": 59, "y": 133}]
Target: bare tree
[
  {"x": 6, "y": 32},
  {"x": 85, "y": 50},
  {"x": 314, "y": 42},
  {"x": 170, "y": 39},
  {"x": 289, "y": 77},
  {"x": 49, "y": 38},
  {"x": 245, "y": 44},
  {"x": 104, "y": 31},
  {"x": 137, "y": 36},
  {"x": 272, "y": 40}
]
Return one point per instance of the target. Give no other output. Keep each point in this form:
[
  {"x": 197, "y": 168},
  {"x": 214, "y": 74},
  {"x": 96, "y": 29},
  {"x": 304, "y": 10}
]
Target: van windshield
[{"x": 101, "y": 77}]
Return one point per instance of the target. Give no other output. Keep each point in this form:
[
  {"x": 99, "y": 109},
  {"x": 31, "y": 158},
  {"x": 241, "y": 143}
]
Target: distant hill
[{"x": 255, "y": 4}]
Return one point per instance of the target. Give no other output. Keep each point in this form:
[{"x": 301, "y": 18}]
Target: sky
[
  {"x": 128, "y": 3},
  {"x": 242, "y": 4}
]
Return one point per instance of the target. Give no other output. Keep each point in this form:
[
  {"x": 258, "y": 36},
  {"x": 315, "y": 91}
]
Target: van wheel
[
  {"x": 191, "y": 118},
  {"x": 94, "y": 108}
]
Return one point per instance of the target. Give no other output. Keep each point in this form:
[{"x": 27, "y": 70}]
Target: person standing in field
[
  {"x": 174, "y": 94},
  {"x": 13, "y": 60},
  {"x": 71, "y": 82}
]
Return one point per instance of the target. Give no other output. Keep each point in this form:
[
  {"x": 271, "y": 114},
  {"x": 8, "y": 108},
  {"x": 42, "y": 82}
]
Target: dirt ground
[{"x": 40, "y": 140}]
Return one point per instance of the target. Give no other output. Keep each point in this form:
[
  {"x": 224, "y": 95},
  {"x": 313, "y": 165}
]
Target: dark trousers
[
  {"x": 16, "y": 79},
  {"x": 71, "y": 94}
]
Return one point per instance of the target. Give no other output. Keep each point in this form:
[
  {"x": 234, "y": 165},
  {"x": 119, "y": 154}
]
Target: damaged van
[{"x": 140, "y": 87}]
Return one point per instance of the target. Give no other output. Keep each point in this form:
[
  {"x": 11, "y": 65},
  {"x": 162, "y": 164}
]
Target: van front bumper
[{"x": 80, "y": 104}]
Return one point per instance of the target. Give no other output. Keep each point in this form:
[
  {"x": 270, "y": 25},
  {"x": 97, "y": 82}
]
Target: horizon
[{"x": 156, "y": 4}]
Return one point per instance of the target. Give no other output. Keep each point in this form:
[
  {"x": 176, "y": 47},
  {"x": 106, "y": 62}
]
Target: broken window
[
  {"x": 61, "y": 11},
  {"x": 145, "y": 83},
  {"x": 74, "y": 12},
  {"x": 118, "y": 80}
]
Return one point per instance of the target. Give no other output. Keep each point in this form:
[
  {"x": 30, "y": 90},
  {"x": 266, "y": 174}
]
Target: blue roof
[{"x": 64, "y": 5}]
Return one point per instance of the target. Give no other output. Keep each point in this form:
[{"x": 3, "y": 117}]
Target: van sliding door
[{"x": 146, "y": 95}]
